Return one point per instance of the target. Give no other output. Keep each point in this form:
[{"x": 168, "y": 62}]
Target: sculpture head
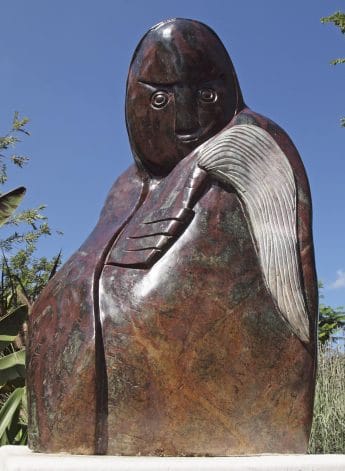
[{"x": 181, "y": 90}]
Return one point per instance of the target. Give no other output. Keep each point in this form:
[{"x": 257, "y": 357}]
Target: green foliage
[
  {"x": 12, "y": 367},
  {"x": 13, "y": 418},
  {"x": 328, "y": 430},
  {"x": 9, "y": 202},
  {"x": 338, "y": 19},
  {"x": 331, "y": 321},
  {"x": 8, "y": 141},
  {"x": 28, "y": 275},
  {"x": 10, "y": 325},
  {"x": 31, "y": 222},
  {"x": 13, "y": 412},
  {"x": 338, "y": 61},
  {"x": 23, "y": 276}
]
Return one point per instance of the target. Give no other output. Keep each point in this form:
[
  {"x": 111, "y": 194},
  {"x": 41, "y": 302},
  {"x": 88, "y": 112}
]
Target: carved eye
[
  {"x": 159, "y": 99},
  {"x": 207, "y": 95}
]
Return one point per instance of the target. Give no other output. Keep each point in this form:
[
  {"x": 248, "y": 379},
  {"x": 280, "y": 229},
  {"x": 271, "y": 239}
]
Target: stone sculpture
[{"x": 185, "y": 324}]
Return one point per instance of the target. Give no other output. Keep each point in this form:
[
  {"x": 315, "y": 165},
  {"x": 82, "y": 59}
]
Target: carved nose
[{"x": 186, "y": 120}]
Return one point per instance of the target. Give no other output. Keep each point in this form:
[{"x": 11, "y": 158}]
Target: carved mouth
[{"x": 195, "y": 136}]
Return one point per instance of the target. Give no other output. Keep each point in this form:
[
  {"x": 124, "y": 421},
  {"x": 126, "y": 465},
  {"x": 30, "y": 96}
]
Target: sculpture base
[{"x": 20, "y": 458}]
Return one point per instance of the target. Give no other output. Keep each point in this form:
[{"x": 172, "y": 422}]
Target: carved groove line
[{"x": 248, "y": 158}]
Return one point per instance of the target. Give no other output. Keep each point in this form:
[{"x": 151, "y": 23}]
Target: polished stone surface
[{"x": 185, "y": 325}]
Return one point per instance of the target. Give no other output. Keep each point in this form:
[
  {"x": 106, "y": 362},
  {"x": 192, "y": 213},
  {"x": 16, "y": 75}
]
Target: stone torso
[{"x": 198, "y": 357}]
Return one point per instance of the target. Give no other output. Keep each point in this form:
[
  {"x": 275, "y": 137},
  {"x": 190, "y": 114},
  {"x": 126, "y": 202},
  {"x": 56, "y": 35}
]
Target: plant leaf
[
  {"x": 55, "y": 266},
  {"x": 16, "y": 358},
  {"x": 12, "y": 366},
  {"x": 10, "y": 325},
  {"x": 24, "y": 436},
  {"x": 8, "y": 410},
  {"x": 14, "y": 426},
  {"x": 9, "y": 202},
  {"x": 9, "y": 377}
]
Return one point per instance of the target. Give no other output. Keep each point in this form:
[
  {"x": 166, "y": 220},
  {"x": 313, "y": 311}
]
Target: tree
[
  {"x": 331, "y": 320},
  {"x": 23, "y": 276},
  {"x": 338, "y": 19}
]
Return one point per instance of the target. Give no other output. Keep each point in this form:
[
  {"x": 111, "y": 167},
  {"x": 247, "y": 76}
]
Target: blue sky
[{"x": 64, "y": 64}]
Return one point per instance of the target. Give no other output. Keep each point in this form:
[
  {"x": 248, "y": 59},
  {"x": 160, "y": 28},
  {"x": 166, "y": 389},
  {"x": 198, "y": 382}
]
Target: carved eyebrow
[{"x": 157, "y": 85}]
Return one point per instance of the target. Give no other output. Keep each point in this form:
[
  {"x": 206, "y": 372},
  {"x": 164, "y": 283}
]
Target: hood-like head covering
[{"x": 181, "y": 90}]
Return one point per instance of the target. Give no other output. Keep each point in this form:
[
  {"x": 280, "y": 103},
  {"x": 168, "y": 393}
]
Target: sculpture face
[{"x": 181, "y": 90}]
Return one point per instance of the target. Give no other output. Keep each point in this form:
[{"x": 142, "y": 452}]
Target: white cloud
[{"x": 340, "y": 280}]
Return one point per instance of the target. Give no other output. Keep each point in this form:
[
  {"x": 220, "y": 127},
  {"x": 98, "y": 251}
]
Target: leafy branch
[
  {"x": 331, "y": 320},
  {"x": 23, "y": 276},
  {"x": 338, "y": 20},
  {"x": 8, "y": 141}
]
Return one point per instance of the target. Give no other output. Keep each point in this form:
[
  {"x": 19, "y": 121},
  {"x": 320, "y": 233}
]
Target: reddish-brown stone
[{"x": 160, "y": 335}]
